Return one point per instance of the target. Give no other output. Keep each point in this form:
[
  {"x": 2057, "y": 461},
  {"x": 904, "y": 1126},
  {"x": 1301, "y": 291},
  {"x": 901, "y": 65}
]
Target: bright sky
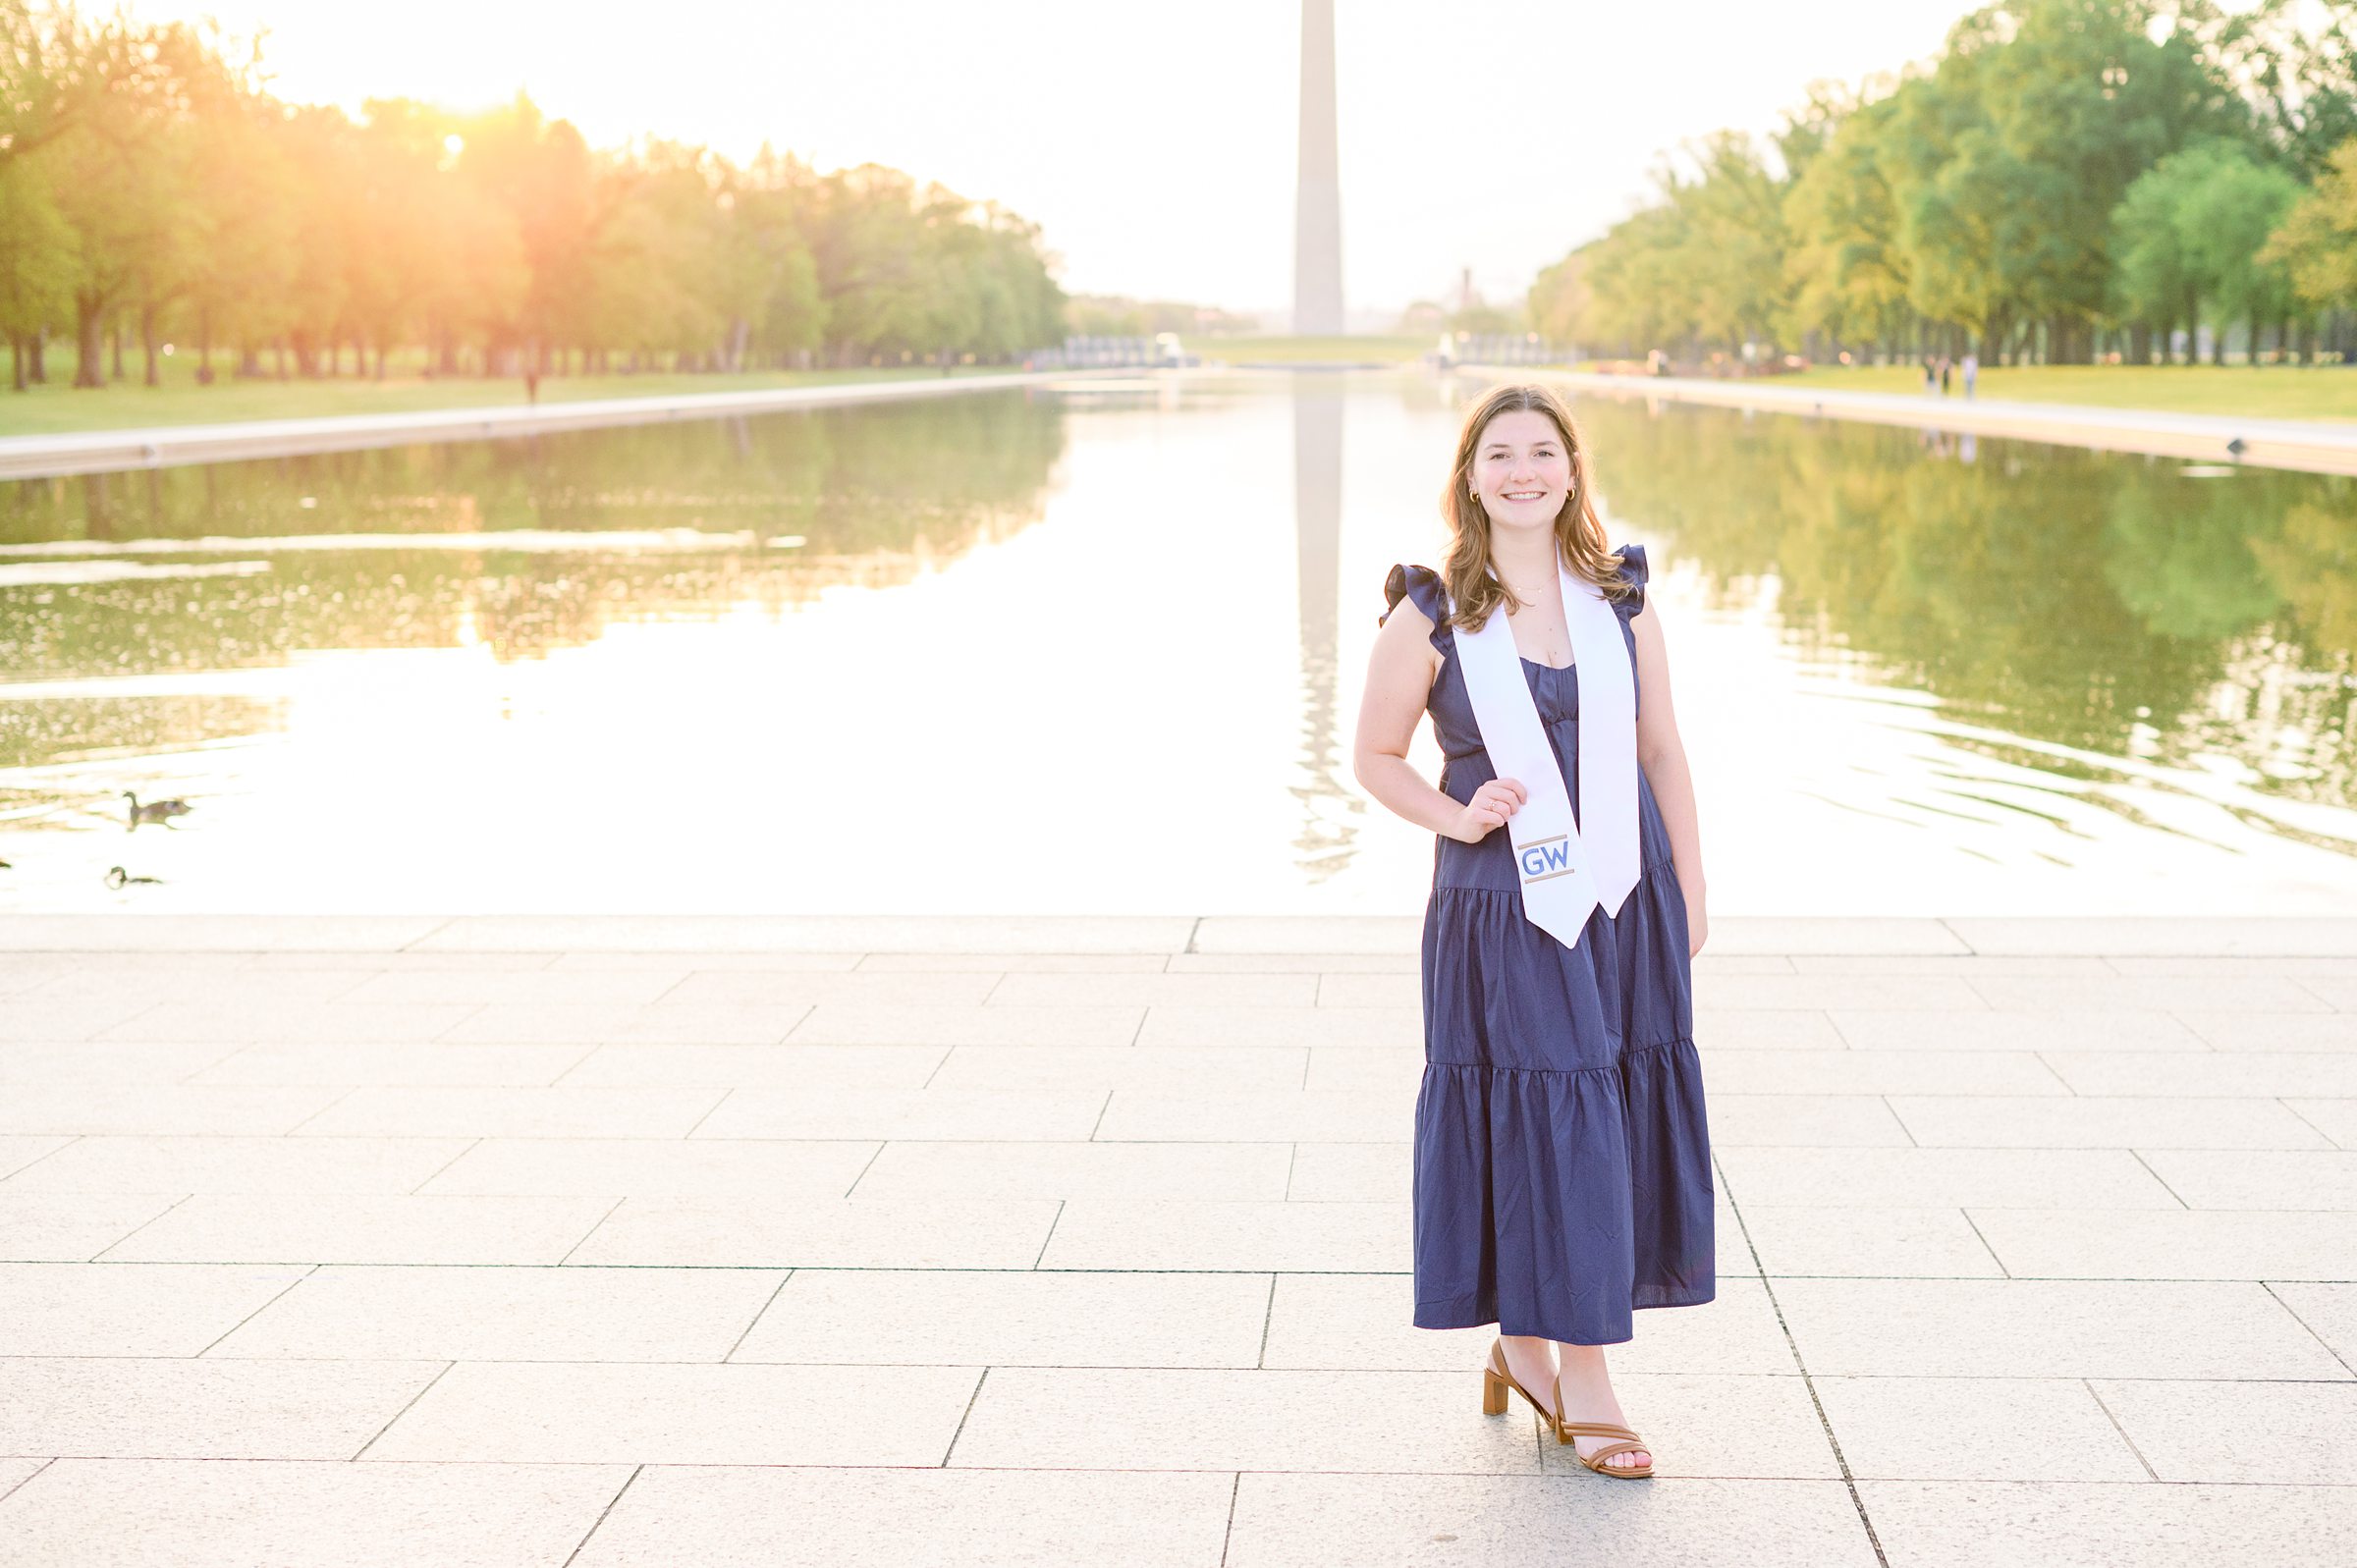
[{"x": 1155, "y": 145}]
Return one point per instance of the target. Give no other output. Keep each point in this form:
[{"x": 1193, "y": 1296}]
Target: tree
[
  {"x": 2316, "y": 241},
  {"x": 2190, "y": 233},
  {"x": 124, "y": 179},
  {"x": 36, "y": 258}
]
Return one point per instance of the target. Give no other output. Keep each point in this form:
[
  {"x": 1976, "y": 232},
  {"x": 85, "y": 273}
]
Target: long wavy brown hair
[{"x": 1472, "y": 591}]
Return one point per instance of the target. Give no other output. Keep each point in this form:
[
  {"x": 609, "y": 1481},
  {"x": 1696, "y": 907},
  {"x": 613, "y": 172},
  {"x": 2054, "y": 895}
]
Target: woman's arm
[
  {"x": 1662, "y": 756},
  {"x": 1399, "y": 676}
]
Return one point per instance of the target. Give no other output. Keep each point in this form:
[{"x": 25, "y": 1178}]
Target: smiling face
[{"x": 1521, "y": 469}]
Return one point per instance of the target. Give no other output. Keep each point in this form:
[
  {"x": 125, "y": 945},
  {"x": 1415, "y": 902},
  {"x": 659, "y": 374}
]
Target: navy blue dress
[{"x": 1562, "y": 1167}]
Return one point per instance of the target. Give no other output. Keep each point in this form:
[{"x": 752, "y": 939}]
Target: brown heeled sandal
[
  {"x": 1566, "y": 1430},
  {"x": 1496, "y": 1380}
]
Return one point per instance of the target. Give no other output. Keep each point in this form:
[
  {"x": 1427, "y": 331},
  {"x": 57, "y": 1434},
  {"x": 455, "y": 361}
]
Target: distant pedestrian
[
  {"x": 1943, "y": 369},
  {"x": 531, "y": 384},
  {"x": 1930, "y": 383},
  {"x": 1972, "y": 372}
]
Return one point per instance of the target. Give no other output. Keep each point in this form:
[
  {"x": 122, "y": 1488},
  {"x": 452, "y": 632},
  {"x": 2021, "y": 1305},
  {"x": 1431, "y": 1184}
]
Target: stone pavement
[{"x": 709, "y": 1242}]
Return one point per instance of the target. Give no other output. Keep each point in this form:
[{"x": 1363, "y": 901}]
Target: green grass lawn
[
  {"x": 60, "y": 407},
  {"x": 2268, "y": 391}
]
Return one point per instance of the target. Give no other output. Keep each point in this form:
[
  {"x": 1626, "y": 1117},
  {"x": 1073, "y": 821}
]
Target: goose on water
[{"x": 162, "y": 811}]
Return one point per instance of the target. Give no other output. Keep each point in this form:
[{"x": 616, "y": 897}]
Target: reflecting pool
[{"x": 1098, "y": 648}]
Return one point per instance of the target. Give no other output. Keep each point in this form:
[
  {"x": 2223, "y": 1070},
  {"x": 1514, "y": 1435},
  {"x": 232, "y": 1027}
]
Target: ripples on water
[{"x": 1101, "y": 651}]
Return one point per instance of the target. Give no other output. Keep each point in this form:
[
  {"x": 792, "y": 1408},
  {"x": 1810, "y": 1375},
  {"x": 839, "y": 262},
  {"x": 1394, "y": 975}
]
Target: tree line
[
  {"x": 152, "y": 189},
  {"x": 2067, "y": 180}
]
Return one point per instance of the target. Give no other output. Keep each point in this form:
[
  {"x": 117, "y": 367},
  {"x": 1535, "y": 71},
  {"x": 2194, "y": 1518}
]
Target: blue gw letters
[{"x": 1544, "y": 857}]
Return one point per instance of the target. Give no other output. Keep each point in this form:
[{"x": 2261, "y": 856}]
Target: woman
[{"x": 1562, "y": 1170}]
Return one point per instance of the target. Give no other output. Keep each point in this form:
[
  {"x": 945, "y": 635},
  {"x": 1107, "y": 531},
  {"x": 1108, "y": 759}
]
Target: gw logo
[{"x": 1544, "y": 858}]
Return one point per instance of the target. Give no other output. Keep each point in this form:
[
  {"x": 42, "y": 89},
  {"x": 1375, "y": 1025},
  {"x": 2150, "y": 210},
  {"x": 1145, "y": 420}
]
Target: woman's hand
[
  {"x": 1489, "y": 808},
  {"x": 1698, "y": 926}
]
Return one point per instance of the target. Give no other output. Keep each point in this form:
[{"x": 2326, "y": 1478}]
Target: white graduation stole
[{"x": 1567, "y": 865}]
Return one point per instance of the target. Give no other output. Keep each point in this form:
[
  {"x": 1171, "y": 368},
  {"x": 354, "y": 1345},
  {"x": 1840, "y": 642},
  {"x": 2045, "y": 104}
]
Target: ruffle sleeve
[
  {"x": 1419, "y": 583},
  {"x": 1633, "y": 571}
]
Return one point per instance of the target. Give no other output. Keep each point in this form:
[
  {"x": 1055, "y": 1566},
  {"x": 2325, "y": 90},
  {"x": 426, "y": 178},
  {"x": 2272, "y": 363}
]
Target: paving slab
[
  {"x": 1802, "y": 1122},
  {"x": 19, "y": 1151},
  {"x": 821, "y": 1233},
  {"x": 150, "y": 1407},
  {"x": 496, "y": 1314},
  {"x": 622, "y": 1413},
  {"x": 86, "y": 1108},
  {"x": 786, "y": 990},
  {"x": 809, "y": 933},
  {"x": 1869, "y": 1242},
  {"x": 770, "y": 1169},
  {"x": 1099, "y": 1234},
  {"x": 1718, "y": 1029},
  {"x": 2245, "y": 1179},
  {"x": 2160, "y": 936},
  {"x": 2283, "y": 1434},
  {"x": 29, "y": 1018},
  {"x": 593, "y": 1023},
  {"x": 143, "y": 934},
  {"x": 2329, "y": 1311},
  {"x": 2242, "y": 1074},
  {"x": 1289, "y": 1116},
  {"x": 2139, "y": 1029},
  {"x": 1198, "y": 1171},
  {"x": 730, "y": 1517},
  {"x": 1827, "y": 1179},
  {"x": 359, "y": 1065},
  {"x": 1172, "y": 1025},
  {"x": 863, "y": 1023},
  {"x": 83, "y": 982},
  {"x": 2163, "y": 1244},
  {"x": 159, "y": 1513},
  {"x": 314, "y": 1228},
  {"x": 1013, "y": 1318},
  {"x": 1404, "y": 961},
  {"x": 1966, "y": 1429},
  {"x": 513, "y": 987},
  {"x": 105, "y": 1061},
  {"x": 1372, "y": 1521},
  {"x": 2120, "y": 1121},
  {"x": 718, "y": 1023},
  {"x": 2273, "y": 1030},
  {"x": 491, "y": 1112},
  {"x": 247, "y": 1023},
  {"x": 2337, "y": 1119},
  {"x": 2068, "y": 994},
  {"x": 1396, "y": 1069},
  {"x": 129, "y": 1309},
  {"x": 72, "y": 1226},
  {"x": 2003, "y": 1523},
  {"x": 1167, "y": 1068},
  {"x": 1888, "y": 992},
  {"x": 2049, "y": 1328},
  {"x": 1885, "y": 1072},
  {"x": 196, "y": 1163},
  {"x": 826, "y": 1112},
  {"x": 1007, "y": 963},
  {"x": 757, "y": 1066}
]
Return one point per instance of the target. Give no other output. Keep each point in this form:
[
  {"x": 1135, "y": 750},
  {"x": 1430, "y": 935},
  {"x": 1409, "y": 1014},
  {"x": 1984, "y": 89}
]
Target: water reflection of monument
[{"x": 1329, "y": 809}]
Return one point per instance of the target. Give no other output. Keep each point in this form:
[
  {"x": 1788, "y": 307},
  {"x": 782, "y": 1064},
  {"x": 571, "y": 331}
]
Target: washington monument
[{"x": 1318, "y": 198}]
